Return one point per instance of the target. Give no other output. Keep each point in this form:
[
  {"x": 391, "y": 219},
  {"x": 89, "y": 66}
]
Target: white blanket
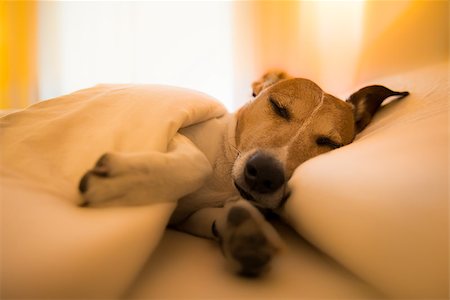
[{"x": 51, "y": 247}]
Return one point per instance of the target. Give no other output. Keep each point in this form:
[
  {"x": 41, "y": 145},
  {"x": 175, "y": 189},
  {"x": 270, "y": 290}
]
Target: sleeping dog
[{"x": 290, "y": 121}]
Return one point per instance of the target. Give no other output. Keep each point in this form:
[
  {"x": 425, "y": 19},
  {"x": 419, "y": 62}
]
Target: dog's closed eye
[
  {"x": 279, "y": 109},
  {"x": 324, "y": 141}
]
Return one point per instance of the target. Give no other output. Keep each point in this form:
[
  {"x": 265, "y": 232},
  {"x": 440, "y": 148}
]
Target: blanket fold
[{"x": 51, "y": 248}]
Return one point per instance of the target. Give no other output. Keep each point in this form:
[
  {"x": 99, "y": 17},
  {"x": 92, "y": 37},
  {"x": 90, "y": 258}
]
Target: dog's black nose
[{"x": 263, "y": 173}]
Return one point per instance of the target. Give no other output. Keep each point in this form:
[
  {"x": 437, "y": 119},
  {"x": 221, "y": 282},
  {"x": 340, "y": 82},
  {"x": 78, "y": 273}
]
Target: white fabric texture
[
  {"x": 50, "y": 247},
  {"x": 379, "y": 206}
]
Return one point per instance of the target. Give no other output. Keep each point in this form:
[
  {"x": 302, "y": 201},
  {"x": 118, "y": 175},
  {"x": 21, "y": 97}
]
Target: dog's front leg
[
  {"x": 143, "y": 178},
  {"x": 248, "y": 241}
]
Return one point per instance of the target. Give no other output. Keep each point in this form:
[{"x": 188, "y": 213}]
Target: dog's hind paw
[{"x": 249, "y": 242}]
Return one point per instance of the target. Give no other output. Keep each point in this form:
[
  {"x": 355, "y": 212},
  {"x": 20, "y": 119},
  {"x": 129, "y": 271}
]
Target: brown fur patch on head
[{"x": 289, "y": 117}]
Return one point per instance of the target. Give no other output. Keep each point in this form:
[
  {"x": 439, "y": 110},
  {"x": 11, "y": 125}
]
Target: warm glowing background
[{"x": 52, "y": 48}]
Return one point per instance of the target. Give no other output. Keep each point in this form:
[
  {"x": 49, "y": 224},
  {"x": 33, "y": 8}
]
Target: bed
[{"x": 369, "y": 220}]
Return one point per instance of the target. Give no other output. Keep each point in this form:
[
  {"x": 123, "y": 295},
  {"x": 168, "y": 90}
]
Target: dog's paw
[
  {"x": 249, "y": 242},
  {"x": 110, "y": 181},
  {"x": 143, "y": 178}
]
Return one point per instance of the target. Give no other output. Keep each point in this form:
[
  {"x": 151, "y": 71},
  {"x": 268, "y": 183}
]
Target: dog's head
[{"x": 290, "y": 121}]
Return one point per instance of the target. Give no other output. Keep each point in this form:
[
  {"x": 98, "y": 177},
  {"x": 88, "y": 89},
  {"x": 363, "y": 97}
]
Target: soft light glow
[
  {"x": 339, "y": 37},
  {"x": 17, "y": 54},
  {"x": 187, "y": 44}
]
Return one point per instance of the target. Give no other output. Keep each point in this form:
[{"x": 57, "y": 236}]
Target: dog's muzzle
[
  {"x": 263, "y": 174},
  {"x": 262, "y": 181}
]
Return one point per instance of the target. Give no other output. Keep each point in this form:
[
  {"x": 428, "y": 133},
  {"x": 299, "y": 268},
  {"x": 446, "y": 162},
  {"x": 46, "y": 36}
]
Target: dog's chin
[
  {"x": 244, "y": 194},
  {"x": 268, "y": 201}
]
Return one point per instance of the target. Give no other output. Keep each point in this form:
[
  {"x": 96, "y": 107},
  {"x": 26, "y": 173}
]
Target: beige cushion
[{"x": 380, "y": 205}]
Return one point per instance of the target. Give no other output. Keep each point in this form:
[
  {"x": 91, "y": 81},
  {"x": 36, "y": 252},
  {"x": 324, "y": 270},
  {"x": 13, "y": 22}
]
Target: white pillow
[{"x": 379, "y": 206}]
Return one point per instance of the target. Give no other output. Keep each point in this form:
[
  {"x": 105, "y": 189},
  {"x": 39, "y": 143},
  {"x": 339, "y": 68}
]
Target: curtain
[
  {"x": 337, "y": 44},
  {"x": 18, "y": 59},
  {"x": 215, "y": 47},
  {"x": 403, "y": 35},
  {"x": 318, "y": 40}
]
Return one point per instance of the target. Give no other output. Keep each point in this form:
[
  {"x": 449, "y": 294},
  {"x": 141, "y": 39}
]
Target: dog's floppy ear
[
  {"x": 367, "y": 101},
  {"x": 267, "y": 80}
]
